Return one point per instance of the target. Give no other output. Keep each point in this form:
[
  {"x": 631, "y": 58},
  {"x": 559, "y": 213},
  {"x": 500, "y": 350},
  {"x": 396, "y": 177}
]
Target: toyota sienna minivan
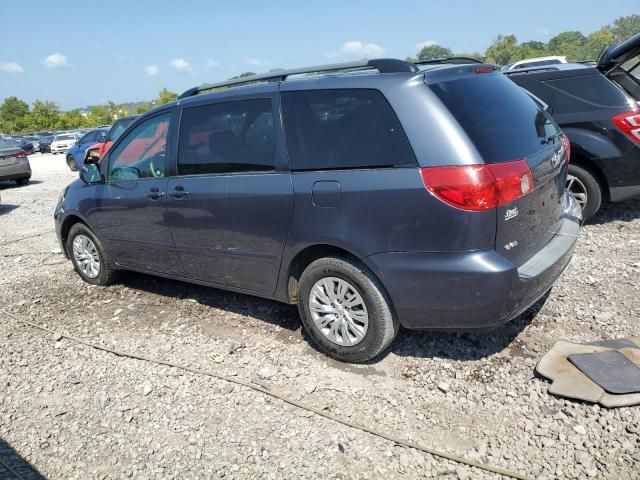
[{"x": 371, "y": 194}]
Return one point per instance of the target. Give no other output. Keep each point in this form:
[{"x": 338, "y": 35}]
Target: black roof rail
[
  {"x": 454, "y": 60},
  {"x": 383, "y": 65}
]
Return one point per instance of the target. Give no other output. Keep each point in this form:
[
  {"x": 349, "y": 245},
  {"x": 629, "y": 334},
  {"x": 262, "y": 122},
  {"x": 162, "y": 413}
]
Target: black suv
[{"x": 596, "y": 106}]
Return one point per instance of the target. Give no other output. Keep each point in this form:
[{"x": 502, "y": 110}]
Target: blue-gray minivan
[{"x": 372, "y": 194}]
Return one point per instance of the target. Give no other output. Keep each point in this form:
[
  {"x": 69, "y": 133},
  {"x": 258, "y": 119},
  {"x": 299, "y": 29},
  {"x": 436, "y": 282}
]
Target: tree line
[{"x": 17, "y": 117}]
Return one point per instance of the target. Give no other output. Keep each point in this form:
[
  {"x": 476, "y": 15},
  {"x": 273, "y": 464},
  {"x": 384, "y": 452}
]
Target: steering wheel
[{"x": 159, "y": 158}]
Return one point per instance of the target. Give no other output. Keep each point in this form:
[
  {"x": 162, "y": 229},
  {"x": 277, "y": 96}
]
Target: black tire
[
  {"x": 587, "y": 181},
  {"x": 23, "y": 181},
  {"x": 382, "y": 324},
  {"x": 107, "y": 272},
  {"x": 71, "y": 161}
]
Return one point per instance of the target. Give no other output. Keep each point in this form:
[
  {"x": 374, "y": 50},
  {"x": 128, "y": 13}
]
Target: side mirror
[{"x": 90, "y": 173}]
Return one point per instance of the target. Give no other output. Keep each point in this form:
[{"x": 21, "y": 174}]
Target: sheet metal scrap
[{"x": 568, "y": 381}]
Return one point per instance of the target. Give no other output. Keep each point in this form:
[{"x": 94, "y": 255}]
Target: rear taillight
[
  {"x": 21, "y": 154},
  {"x": 629, "y": 124},
  {"x": 567, "y": 147},
  {"x": 479, "y": 187}
]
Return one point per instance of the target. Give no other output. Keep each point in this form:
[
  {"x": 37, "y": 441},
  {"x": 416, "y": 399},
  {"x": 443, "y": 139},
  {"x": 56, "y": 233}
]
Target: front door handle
[
  {"x": 179, "y": 192},
  {"x": 155, "y": 193}
]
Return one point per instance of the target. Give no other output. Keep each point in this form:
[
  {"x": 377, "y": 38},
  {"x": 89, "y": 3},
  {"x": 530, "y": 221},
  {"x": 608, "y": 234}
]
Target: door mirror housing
[{"x": 90, "y": 173}]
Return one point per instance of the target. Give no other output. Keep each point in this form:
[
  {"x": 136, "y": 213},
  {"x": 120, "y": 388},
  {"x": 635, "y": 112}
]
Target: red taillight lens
[
  {"x": 567, "y": 147},
  {"x": 629, "y": 124},
  {"x": 21, "y": 154},
  {"x": 479, "y": 187}
]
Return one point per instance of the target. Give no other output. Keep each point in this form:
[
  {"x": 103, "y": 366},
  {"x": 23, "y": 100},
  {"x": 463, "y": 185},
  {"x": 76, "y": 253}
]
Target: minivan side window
[
  {"x": 141, "y": 154},
  {"x": 227, "y": 137},
  {"x": 341, "y": 129}
]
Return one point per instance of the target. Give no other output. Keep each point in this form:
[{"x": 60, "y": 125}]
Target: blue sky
[{"x": 79, "y": 53}]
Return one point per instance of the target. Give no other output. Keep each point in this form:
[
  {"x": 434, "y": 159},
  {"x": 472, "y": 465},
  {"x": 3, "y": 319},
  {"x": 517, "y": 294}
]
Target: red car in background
[{"x": 96, "y": 152}]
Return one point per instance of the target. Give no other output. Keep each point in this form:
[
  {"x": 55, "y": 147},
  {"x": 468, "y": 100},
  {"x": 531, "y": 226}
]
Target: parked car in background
[
  {"x": 95, "y": 152},
  {"x": 535, "y": 62},
  {"x": 25, "y": 145},
  {"x": 14, "y": 163},
  {"x": 463, "y": 228},
  {"x": 63, "y": 142},
  {"x": 33, "y": 140},
  {"x": 597, "y": 107},
  {"x": 45, "y": 143},
  {"x": 76, "y": 154}
]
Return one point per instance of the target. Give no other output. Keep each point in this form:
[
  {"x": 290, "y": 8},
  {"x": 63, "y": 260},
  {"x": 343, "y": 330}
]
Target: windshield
[
  {"x": 118, "y": 128},
  {"x": 65, "y": 137}
]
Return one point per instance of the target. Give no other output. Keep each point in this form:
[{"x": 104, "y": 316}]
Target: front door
[
  {"x": 131, "y": 210},
  {"x": 231, "y": 202}
]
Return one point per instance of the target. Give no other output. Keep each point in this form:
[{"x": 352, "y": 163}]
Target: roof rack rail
[
  {"x": 455, "y": 60},
  {"x": 383, "y": 65}
]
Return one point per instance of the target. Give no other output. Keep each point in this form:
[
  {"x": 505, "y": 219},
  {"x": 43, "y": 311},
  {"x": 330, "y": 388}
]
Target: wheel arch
[
  {"x": 592, "y": 167},
  {"x": 67, "y": 223}
]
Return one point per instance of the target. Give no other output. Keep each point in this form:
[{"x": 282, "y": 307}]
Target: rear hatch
[
  {"x": 508, "y": 127},
  {"x": 621, "y": 64}
]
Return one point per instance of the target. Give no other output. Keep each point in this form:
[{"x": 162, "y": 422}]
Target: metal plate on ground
[{"x": 611, "y": 370}]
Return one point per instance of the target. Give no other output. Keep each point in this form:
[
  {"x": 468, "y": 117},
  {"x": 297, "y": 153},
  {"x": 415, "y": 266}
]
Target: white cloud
[
  {"x": 426, "y": 43},
  {"x": 11, "y": 67},
  {"x": 212, "y": 64},
  {"x": 254, "y": 62},
  {"x": 545, "y": 32},
  {"x": 180, "y": 65},
  {"x": 151, "y": 70},
  {"x": 362, "y": 49},
  {"x": 55, "y": 60}
]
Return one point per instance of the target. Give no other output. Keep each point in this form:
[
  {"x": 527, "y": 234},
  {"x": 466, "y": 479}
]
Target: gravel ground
[{"x": 74, "y": 412}]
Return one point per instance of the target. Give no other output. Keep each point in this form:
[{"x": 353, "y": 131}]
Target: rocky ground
[{"x": 74, "y": 412}]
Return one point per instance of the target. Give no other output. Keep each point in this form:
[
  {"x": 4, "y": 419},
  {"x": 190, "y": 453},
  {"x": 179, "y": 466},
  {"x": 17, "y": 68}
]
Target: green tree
[
  {"x": 596, "y": 42},
  {"x": 166, "y": 96},
  {"x": 99, "y": 116},
  {"x": 13, "y": 109},
  {"x": 44, "y": 116},
  {"x": 143, "y": 107},
  {"x": 565, "y": 40},
  {"x": 244, "y": 74},
  {"x": 623, "y": 28},
  {"x": 503, "y": 50},
  {"x": 433, "y": 51}
]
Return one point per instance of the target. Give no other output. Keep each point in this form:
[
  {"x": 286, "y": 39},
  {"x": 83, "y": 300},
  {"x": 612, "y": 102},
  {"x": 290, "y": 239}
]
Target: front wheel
[
  {"x": 89, "y": 259},
  {"x": 22, "y": 181},
  {"x": 584, "y": 187},
  {"x": 345, "y": 309}
]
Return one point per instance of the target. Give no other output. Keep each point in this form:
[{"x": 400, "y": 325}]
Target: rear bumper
[
  {"x": 11, "y": 172},
  {"x": 474, "y": 290}
]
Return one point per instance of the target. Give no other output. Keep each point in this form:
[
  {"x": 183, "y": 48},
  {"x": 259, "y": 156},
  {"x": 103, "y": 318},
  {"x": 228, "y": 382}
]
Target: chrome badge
[
  {"x": 557, "y": 157},
  {"x": 511, "y": 245},
  {"x": 511, "y": 213}
]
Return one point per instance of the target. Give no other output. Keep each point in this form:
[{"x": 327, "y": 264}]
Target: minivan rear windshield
[{"x": 501, "y": 120}]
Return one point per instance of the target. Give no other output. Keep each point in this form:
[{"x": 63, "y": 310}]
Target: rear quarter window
[
  {"x": 343, "y": 129},
  {"x": 502, "y": 121},
  {"x": 584, "y": 94}
]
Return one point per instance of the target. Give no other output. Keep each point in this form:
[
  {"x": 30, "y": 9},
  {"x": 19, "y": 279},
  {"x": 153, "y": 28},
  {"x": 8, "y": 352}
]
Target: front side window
[
  {"x": 341, "y": 129},
  {"x": 141, "y": 154},
  {"x": 227, "y": 138}
]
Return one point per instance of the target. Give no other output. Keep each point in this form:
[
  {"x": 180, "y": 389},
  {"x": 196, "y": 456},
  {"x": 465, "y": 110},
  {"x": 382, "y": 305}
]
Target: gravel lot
[{"x": 75, "y": 412}]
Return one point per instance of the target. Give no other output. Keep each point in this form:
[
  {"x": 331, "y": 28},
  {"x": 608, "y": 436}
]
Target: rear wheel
[
  {"x": 345, "y": 309},
  {"x": 89, "y": 258},
  {"x": 71, "y": 161},
  {"x": 23, "y": 181},
  {"x": 584, "y": 187}
]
